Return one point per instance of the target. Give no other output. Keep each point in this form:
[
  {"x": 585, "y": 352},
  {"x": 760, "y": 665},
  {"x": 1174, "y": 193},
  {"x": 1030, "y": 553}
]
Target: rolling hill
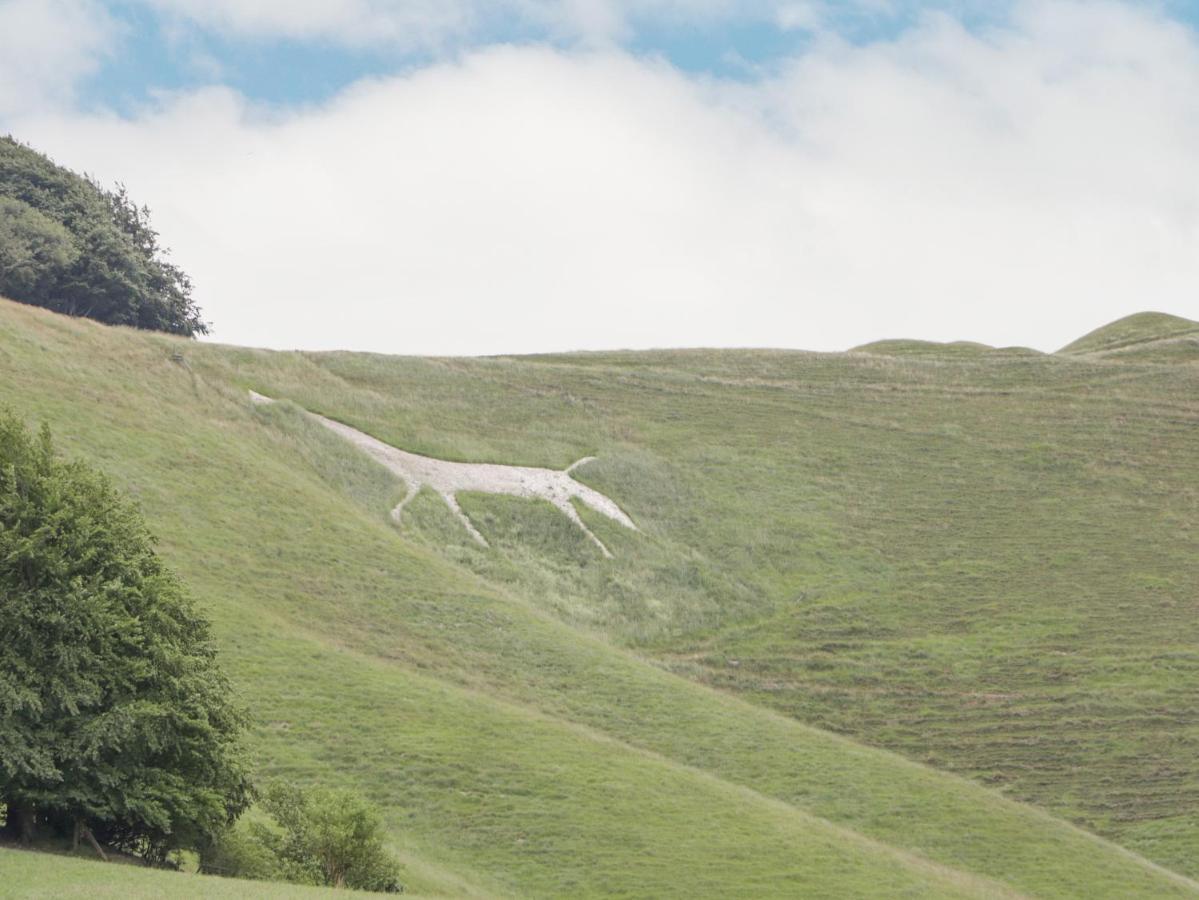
[
  {"x": 858, "y": 578},
  {"x": 1144, "y": 337}
]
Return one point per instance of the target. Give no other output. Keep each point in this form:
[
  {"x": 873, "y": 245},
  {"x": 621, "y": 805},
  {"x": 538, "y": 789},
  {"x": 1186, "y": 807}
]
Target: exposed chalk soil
[{"x": 448, "y": 478}]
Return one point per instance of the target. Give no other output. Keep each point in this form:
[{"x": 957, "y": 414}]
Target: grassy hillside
[
  {"x": 834, "y": 536},
  {"x": 982, "y": 559}
]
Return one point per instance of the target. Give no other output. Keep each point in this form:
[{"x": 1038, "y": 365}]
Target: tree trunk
[
  {"x": 91, "y": 839},
  {"x": 75, "y": 835}
]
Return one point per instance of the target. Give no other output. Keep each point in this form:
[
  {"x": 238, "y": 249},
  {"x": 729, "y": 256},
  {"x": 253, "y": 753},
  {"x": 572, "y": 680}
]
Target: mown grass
[
  {"x": 479, "y": 695},
  {"x": 43, "y": 876}
]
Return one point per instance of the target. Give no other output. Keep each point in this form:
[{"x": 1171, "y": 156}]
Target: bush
[
  {"x": 71, "y": 246},
  {"x": 115, "y": 721},
  {"x": 311, "y": 836},
  {"x": 238, "y": 853}
]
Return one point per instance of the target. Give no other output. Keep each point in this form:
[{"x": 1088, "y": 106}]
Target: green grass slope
[
  {"x": 512, "y": 708},
  {"x": 986, "y": 564}
]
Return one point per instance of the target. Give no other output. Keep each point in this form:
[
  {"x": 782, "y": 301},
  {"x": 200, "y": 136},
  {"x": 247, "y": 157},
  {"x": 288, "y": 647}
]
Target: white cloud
[
  {"x": 801, "y": 16},
  {"x": 46, "y": 46},
  {"x": 1020, "y": 186}
]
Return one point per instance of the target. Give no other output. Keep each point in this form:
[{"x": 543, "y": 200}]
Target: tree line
[{"x": 72, "y": 246}]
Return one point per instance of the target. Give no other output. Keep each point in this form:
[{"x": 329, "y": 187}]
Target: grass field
[
  {"x": 43, "y": 876},
  {"x": 980, "y": 559}
]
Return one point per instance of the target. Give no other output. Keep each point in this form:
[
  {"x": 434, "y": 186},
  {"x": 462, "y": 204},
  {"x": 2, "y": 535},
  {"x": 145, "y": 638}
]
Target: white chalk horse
[{"x": 448, "y": 478}]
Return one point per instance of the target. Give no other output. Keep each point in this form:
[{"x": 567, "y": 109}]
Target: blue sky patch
[{"x": 159, "y": 54}]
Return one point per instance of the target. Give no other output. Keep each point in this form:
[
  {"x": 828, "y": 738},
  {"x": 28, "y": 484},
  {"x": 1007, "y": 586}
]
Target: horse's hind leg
[
  {"x": 452, "y": 503},
  {"x": 573, "y": 514}
]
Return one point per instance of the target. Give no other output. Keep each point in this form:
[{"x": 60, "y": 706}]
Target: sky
[{"x": 517, "y": 176}]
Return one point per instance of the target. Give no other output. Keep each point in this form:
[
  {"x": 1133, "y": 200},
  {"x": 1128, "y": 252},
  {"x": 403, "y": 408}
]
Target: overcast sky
[{"x": 494, "y": 176}]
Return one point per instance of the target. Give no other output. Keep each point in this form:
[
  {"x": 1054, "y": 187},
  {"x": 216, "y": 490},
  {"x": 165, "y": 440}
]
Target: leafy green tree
[
  {"x": 103, "y": 259},
  {"x": 114, "y": 717}
]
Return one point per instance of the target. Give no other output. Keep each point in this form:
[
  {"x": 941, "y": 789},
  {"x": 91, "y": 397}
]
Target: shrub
[
  {"x": 237, "y": 852},
  {"x": 311, "y": 836}
]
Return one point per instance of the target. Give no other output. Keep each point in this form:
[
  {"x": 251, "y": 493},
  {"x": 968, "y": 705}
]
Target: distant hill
[
  {"x": 957, "y": 349},
  {"x": 857, "y": 579},
  {"x": 1144, "y": 336}
]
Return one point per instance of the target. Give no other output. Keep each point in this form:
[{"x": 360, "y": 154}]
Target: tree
[
  {"x": 107, "y": 262},
  {"x": 115, "y": 720}
]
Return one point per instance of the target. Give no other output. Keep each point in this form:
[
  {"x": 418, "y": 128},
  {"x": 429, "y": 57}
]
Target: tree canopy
[
  {"x": 74, "y": 247},
  {"x": 114, "y": 715}
]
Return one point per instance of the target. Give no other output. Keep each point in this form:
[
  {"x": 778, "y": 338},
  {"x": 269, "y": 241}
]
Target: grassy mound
[
  {"x": 960, "y": 350},
  {"x": 1132, "y": 337}
]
